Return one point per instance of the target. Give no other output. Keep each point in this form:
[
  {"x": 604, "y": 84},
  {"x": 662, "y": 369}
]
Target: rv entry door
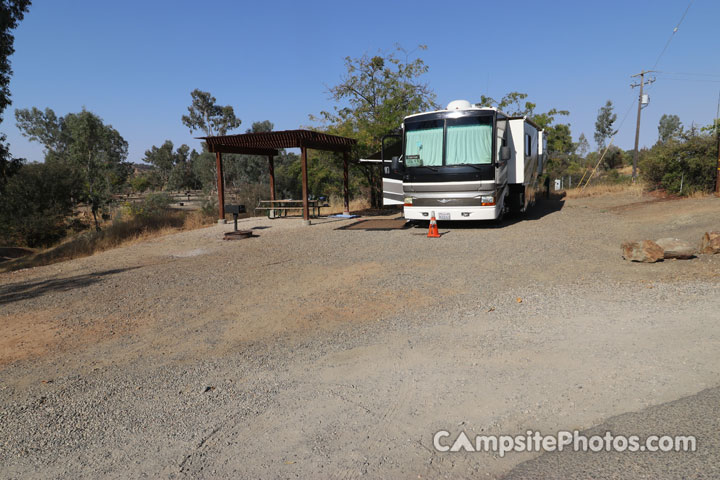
[{"x": 392, "y": 182}]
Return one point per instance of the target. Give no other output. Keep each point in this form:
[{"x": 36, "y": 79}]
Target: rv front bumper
[{"x": 453, "y": 213}]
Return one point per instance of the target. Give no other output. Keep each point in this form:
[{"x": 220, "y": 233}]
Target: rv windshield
[
  {"x": 469, "y": 141},
  {"x": 424, "y": 143}
]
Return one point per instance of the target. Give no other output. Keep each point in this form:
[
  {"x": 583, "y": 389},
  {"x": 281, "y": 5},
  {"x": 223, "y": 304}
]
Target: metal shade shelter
[{"x": 268, "y": 144}]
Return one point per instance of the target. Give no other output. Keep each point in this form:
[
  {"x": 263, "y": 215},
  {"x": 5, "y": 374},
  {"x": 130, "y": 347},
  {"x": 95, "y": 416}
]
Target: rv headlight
[
  {"x": 408, "y": 201},
  {"x": 487, "y": 200}
]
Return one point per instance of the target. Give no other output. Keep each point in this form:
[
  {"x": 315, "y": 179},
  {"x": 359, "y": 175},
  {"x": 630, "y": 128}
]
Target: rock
[
  {"x": 676, "y": 248},
  {"x": 710, "y": 243},
  {"x": 646, "y": 251}
]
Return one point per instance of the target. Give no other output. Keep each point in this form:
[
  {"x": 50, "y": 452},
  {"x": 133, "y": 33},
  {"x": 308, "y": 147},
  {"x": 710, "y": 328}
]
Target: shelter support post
[
  {"x": 303, "y": 162},
  {"x": 271, "y": 167},
  {"x": 346, "y": 186},
  {"x": 220, "y": 186}
]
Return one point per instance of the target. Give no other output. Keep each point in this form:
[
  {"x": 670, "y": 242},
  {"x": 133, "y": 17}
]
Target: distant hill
[{"x": 139, "y": 168}]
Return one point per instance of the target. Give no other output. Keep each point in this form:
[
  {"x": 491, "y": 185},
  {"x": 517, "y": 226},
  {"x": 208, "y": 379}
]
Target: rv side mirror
[
  {"x": 396, "y": 166},
  {"x": 504, "y": 153}
]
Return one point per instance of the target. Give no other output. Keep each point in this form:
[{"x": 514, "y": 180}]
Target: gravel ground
[{"x": 324, "y": 353}]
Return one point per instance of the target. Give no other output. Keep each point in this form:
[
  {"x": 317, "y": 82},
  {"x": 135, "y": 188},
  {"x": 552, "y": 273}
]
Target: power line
[
  {"x": 651, "y": 84},
  {"x": 612, "y": 139},
  {"x": 690, "y": 74},
  {"x": 627, "y": 112},
  {"x": 672, "y": 35},
  {"x": 697, "y": 80},
  {"x": 667, "y": 44}
]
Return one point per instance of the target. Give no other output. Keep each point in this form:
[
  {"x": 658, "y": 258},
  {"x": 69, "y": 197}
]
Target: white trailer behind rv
[{"x": 464, "y": 163}]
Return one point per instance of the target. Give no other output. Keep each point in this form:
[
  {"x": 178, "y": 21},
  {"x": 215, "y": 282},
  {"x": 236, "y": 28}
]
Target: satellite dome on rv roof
[{"x": 459, "y": 105}]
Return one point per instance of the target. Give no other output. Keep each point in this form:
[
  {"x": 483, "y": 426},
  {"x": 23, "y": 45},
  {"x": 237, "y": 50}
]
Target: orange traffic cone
[{"x": 433, "y": 231}]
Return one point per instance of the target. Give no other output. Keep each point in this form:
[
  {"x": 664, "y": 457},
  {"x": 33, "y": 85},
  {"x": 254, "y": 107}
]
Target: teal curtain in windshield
[
  {"x": 469, "y": 144},
  {"x": 423, "y": 147}
]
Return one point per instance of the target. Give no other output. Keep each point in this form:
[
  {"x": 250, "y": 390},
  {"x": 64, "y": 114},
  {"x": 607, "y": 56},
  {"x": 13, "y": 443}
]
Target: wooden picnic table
[{"x": 279, "y": 208}]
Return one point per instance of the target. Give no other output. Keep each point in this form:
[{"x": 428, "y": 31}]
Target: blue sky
[{"x": 134, "y": 63}]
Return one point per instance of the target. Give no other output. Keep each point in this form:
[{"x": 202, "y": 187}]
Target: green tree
[
  {"x": 604, "y": 125},
  {"x": 560, "y": 147},
  {"x": 246, "y": 169},
  {"x": 37, "y": 203},
  {"x": 9, "y": 166},
  {"x": 690, "y": 162},
  {"x": 11, "y": 14},
  {"x": 371, "y": 100},
  {"x": 669, "y": 128},
  {"x": 183, "y": 176},
  {"x": 173, "y": 166},
  {"x": 162, "y": 158},
  {"x": 583, "y": 146},
  {"x": 559, "y": 141},
  {"x": 261, "y": 127},
  {"x": 324, "y": 176},
  {"x": 204, "y": 170},
  {"x": 512, "y": 104},
  {"x": 45, "y": 128},
  {"x": 96, "y": 152},
  {"x": 613, "y": 158},
  {"x": 140, "y": 182},
  {"x": 208, "y": 117}
]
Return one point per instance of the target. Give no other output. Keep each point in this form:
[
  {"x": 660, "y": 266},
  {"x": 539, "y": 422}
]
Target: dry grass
[
  {"x": 337, "y": 206},
  {"x": 700, "y": 194},
  {"x": 626, "y": 170},
  {"x": 123, "y": 232},
  {"x": 114, "y": 234},
  {"x": 196, "y": 219},
  {"x": 636, "y": 189}
]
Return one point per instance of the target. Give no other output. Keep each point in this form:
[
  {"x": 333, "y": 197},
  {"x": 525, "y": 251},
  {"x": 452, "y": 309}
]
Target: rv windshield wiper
[{"x": 427, "y": 166}]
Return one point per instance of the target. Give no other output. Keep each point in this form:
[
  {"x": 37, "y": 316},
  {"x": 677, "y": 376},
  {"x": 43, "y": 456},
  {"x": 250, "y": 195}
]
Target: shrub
[
  {"x": 154, "y": 204},
  {"x": 689, "y": 163},
  {"x": 614, "y": 157},
  {"x": 36, "y": 205},
  {"x": 209, "y": 207},
  {"x": 140, "y": 183}
]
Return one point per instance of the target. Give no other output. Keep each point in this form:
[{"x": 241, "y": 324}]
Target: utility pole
[{"x": 637, "y": 127}]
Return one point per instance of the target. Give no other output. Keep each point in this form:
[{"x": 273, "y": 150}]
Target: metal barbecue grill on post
[{"x": 236, "y": 234}]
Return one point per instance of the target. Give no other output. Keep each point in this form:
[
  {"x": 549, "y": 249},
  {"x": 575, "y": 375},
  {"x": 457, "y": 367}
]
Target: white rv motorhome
[{"x": 463, "y": 163}]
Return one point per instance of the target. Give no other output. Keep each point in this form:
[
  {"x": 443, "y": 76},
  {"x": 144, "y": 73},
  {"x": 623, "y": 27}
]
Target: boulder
[
  {"x": 676, "y": 248},
  {"x": 646, "y": 251},
  {"x": 710, "y": 243}
]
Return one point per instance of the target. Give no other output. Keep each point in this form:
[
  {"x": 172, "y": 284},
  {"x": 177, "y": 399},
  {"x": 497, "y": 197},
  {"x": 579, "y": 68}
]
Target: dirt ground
[{"x": 320, "y": 352}]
